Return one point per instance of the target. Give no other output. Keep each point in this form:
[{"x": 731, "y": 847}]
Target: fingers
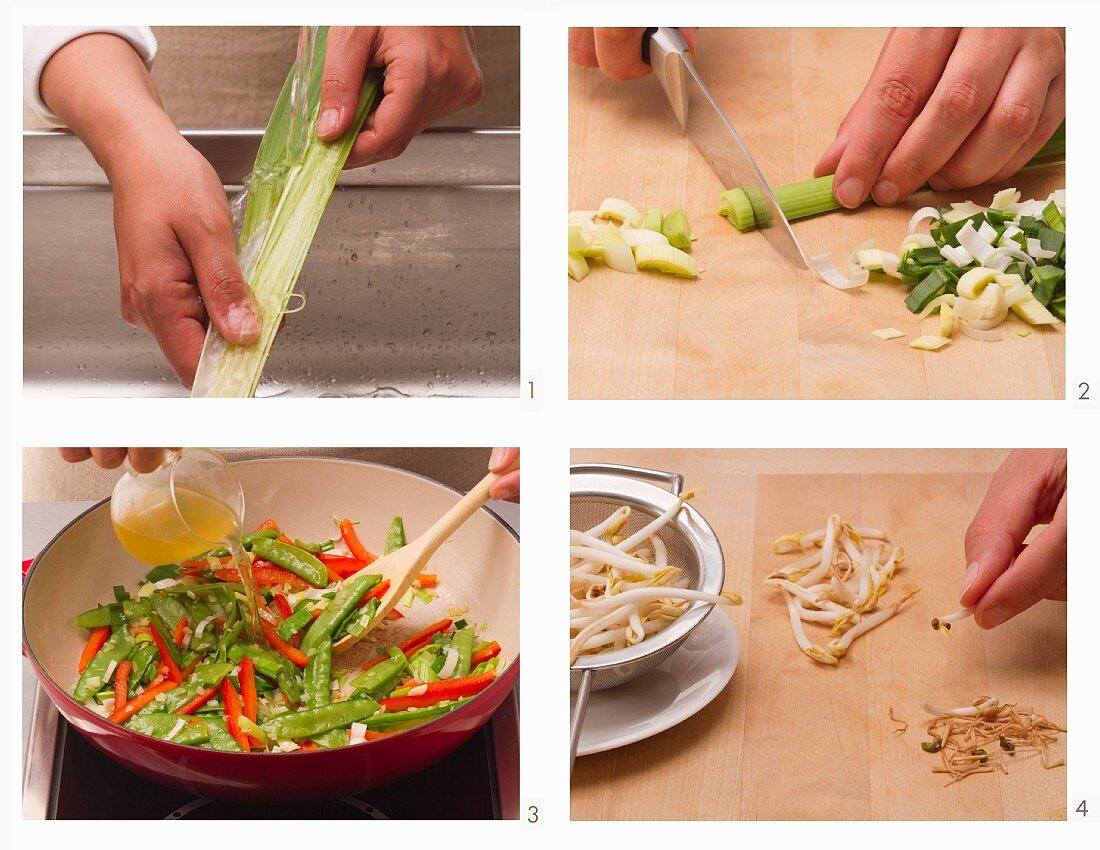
[
  {"x": 1025, "y": 492},
  {"x": 141, "y": 459},
  {"x": 109, "y": 458},
  {"x": 502, "y": 458},
  {"x": 506, "y": 488},
  {"x": 1054, "y": 111},
  {"x": 208, "y": 242},
  {"x": 74, "y": 455},
  {"x": 1039, "y": 573},
  {"x": 345, "y": 64},
  {"x": 619, "y": 52},
  {"x": 400, "y": 115},
  {"x": 176, "y": 324},
  {"x": 582, "y": 47},
  {"x": 962, "y": 97},
  {"x": 146, "y": 459}
]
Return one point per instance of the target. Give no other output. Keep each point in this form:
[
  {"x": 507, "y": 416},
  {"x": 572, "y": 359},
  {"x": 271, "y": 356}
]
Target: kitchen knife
[{"x": 700, "y": 116}]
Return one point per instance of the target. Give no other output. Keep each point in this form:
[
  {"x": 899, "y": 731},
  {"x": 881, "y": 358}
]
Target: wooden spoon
[{"x": 401, "y": 566}]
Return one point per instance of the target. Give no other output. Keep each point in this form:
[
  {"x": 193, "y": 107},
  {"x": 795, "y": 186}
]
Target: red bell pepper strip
[
  {"x": 342, "y": 564},
  {"x": 266, "y": 576},
  {"x": 201, "y": 700},
  {"x": 177, "y": 632},
  {"x": 439, "y": 691},
  {"x": 139, "y": 702},
  {"x": 377, "y": 592},
  {"x": 307, "y": 746},
  {"x": 427, "y": 634},
  {"x": 271, "y": 525},
  {"x": 491, "y": 651},
  {"x": 295, "y": 655},
  {"x": 249, "y": 697},
  {"x": 351, "y": 540},
  {"x": 122, "y": 683},
  {"x": 374, "y": 736},
  {"x": 96, "y": 639},
  {"x": 232, "y": 702},
  {"x": 173, "y": 669},
  {"x": 394, "y": 614},
  {"x": 333, "y": 575},
  {"x": 283, "y": 604},
  {"x": 428, "y": 579}
]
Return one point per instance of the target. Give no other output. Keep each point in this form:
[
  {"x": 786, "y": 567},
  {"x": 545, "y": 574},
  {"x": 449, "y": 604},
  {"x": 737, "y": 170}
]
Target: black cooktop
[{"x": 87, "y": 784}]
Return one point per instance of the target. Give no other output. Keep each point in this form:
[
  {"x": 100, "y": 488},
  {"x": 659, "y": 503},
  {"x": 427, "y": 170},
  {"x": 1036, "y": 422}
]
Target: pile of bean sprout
[
  {"x": 839, "y": 584},
  {"x": 622, "y": 588},
  {"x": 982, "y": 737}
]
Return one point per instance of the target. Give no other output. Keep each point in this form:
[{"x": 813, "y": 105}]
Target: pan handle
[
  {"x": 673, "y": 480},
  {"x": 576, "y": 722}
]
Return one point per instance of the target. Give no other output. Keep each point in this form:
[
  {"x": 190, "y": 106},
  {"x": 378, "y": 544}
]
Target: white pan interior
[{"x": 478, "y": 567}]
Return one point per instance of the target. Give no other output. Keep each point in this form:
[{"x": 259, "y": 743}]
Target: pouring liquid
[{"x": 152, "y": 533}]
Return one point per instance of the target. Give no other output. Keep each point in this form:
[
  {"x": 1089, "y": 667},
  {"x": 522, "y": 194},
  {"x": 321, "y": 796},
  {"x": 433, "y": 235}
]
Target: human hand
[
  {"x": 1004, "y": 576},
  {"x": 953, "y": 107},
  {"x": 507, "y": 487},
  {"x": 430, "y": 72},
  {"x": 172, "y": 221},
  {"x": 617, "y": 51},
  {"x": 141, "y": 459}
]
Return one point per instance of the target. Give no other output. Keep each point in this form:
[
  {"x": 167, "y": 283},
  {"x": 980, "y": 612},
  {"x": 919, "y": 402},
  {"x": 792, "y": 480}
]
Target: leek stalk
[{"x": 292, "y": 180}]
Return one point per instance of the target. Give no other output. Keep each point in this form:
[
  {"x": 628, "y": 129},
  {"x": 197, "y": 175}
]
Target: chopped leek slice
[
  {"x": 617, "y": 209},
  {"x": 929, "y": 343},
  {"x": 676, "y": 229},
  {"x": 947, "y": 320},
  {"x": 665, "y": 258},
  {"x": 652, "y": 219},
  {"x": 578, "y": 266},
  {"x": 292, "y": 181},
  {"x": 888, "y": 333}
]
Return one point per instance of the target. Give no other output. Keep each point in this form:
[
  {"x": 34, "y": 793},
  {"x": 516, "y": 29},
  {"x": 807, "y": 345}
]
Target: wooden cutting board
[
  {"x": 792, "y": 739},
  {"x": 753, "y": 326}
]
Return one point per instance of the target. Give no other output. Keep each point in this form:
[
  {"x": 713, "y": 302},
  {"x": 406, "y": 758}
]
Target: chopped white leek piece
[
  {"x": 921, "y": 216},
  {"x": 988, "y": 232},
  {"x": 579, "y": 239},
  {"x": 1033, "y": 312},
  {"x": 947, "y": 320},
  {"x": 974, "y": 281},
  {"x": 617, "y": 209},
  {"x": 634, "y": 236},
  {"x": 890, "y": 263},
  {"x": 972, "y": 241},
  {"x": 888, "y": 333},
  {"x": 578, "y": 266},
  {"x": 828, "y": 273},
  {"x": 929, "y": 343},
  {"x": 581, "y": 216},
  {"x": 960, "y": 211},
  {"x": 1003, "y": 199},
  {"x": 616, "y": 253},
  {"x": 916, "y": 240},
  {"x": 871, "y": 259},
  {"x": 665, "y": 258},
  {"x": 958, "y": 257},
  {"x": 947, "y": 299},
  {"x": 987, "y": 336},
  {"x": 1023, "y": 332}
]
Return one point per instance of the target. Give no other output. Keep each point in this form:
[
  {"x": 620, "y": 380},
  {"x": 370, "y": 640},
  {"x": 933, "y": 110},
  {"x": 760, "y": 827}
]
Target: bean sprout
[
  {"x": 943, "y": 624},
  {"x": 982, "y": 737},
  {"x": 839, "y": 587},
  {"x": 623, "y": 591}
]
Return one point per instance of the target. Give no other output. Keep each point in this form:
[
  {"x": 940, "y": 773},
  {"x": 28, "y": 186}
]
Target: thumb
[
  {"x": 345, "y": 64},
  {"x": 225, "y": 295}
]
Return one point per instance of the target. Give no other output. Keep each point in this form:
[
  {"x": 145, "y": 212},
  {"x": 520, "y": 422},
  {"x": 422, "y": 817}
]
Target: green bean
[
  {"x": 314, "y": 721},
  {"x": 297, "y": 561},
  {"x": 347, "y": 597}
]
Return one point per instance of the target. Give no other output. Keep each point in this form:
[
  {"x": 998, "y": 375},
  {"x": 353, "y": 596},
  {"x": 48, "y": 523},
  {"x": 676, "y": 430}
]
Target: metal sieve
[{"x": 595, "y": 490}]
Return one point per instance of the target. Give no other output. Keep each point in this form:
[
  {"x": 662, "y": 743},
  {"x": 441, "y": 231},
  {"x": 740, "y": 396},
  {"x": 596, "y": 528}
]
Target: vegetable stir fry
[{"x": 176, "y": 661}]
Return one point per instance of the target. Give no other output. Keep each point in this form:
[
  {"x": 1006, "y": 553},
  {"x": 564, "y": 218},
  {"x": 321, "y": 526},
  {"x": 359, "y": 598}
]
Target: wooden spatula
[{"x": 402, "y": 566}]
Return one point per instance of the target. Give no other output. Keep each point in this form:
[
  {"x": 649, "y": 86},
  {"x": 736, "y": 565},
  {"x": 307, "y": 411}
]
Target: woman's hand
[
  {"x": 1004, "y": 576},
  {"x": 177, "y": 264},
  {"x": 950, "y": 107},
  {"x": 430, "y": 72},
  {"x": 142, "y": 460},
  {"x": 617, "y": 51},
  {"x": 507, "y": 487}
]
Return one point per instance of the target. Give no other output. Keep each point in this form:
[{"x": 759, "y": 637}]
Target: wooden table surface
[
  {"x": 792, "y": 739},
  {"x": 753, "y": 326}
]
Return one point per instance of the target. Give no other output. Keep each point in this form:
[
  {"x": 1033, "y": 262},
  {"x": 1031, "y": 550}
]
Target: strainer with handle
[{"x": 595, "y": 491}]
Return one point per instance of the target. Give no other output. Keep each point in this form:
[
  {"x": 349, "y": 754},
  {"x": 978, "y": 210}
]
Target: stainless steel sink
[{"x": 412, "y": 284}]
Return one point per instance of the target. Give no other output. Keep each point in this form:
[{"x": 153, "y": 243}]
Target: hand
[
  {"x": 1005, "y": 577},
  {"x": 430, "y": 72},
  {"x": 951, "y": 107},
  {"x": 172, "y": 222},
  {"x": 617, "y": 51},
  {"x": 142, "y": 460},
  {"x": 507, "y": 488}
]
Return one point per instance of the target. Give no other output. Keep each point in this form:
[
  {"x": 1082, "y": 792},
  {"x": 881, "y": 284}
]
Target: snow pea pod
[
  {"x": 220, "y": 739},
  {"x": 347, "y": 597},
  {"x": 332, "y": 739},
  {"x": 318, "y": 675},
  {"x": 314, "y": 721},
  {"x": 395, "y": 535},
  {"x": 291, "y": 558},
  {"x": 266, "y": 662},
  {"x": 463, "y": 642},
  {"x": 375, "y": 681},
  {"x": 161, "y": 726},
  {"x": 100, "y": 615},
  {"x": 416, "y": 715}
]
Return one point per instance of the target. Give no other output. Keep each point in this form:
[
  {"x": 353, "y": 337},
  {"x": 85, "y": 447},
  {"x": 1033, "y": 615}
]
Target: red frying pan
[{"x": 478, "y": 570}]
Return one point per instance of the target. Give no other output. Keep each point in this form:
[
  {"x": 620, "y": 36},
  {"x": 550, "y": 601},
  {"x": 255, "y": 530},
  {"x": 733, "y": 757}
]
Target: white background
[{"x": 548, "y": 425}]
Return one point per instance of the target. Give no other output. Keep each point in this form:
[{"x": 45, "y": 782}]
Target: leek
[
  {"x": 745, "y": 208},
  {"x": 292, "y": 180}
]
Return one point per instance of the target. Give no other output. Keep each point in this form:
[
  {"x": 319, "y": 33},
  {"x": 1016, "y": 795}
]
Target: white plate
[{"x": 669, "y": 694}]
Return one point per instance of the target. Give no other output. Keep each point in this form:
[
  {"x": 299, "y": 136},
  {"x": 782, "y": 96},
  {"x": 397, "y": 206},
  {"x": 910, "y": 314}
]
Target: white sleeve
[{"x": 40, "y": 43}]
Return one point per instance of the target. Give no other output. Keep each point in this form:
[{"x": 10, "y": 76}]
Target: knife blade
[{"x": 713, "y": 134}]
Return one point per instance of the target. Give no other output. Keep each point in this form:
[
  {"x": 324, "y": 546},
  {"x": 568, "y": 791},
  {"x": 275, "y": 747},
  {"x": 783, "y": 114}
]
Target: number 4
[{"x": 1082, "y": 809}]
